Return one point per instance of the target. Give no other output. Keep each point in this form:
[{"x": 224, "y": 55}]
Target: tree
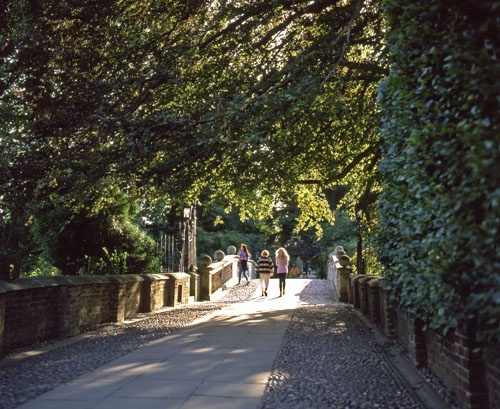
[
  {"x": 263, "y": 103},
  {"x": 299, "y": 107}
]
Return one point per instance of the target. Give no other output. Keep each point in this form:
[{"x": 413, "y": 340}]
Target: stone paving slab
[{"x": 221, "y": 361}]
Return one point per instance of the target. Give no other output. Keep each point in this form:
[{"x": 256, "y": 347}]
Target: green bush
[
  {"x": 106, "y": 242},
  {"x": 439, "y": 213}
]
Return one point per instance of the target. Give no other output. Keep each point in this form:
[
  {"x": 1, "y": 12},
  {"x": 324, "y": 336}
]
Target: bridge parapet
[
  {"x": 453, "y": 357},
  {"x": 215, "y": 275},
  {"x": 339, "y": 272}
]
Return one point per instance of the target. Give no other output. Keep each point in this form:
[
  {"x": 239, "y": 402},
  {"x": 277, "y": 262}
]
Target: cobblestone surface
[{"x": 328, "y": 358}]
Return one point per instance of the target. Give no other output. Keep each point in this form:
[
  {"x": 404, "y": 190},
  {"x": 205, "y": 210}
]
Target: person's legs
[
  {"x": 282, "y": 283},
  {"x": 265, "y": 278},
  {"x": 243, "y": 270},
  {"x": 262, "y": 284}
]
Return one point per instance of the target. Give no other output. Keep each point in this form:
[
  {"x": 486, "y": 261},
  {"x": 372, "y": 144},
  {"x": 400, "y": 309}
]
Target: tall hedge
[{"x": 440, "y": 212}]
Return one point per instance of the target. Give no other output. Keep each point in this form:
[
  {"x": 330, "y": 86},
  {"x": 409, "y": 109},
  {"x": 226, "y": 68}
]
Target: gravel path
[{"x": 328, "y": 358}]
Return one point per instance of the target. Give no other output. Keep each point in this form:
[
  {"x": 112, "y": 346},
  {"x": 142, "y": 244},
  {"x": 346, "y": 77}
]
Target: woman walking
[
  {"x": 265, "y": 268},
  {"x": 282, "y": 259},
  {"x": 243, "y": 262}
]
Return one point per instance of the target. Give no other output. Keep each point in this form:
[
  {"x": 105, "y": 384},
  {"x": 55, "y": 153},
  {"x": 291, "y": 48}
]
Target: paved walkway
[
  {"x": 221, "y": 361},
  {"x": 228, "y": 358}
]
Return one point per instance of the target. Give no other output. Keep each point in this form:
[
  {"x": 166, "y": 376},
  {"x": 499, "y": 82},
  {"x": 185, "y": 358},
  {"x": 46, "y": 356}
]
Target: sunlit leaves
[{"x": 261, "y": 103}]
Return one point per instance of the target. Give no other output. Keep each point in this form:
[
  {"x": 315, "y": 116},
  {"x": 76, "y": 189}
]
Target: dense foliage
[
  {"x": 216, "y": 232},
  {"x": 266, "y": 104},
  {"x": 440, "y": 210}
]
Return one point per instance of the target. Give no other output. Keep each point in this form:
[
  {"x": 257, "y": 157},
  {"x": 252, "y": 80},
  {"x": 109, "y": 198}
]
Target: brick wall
[
  {"x": 25, "y": 319},
  {"x": 33, "y": 310},
  {"x": 493, "y": 381},
  {"x": 469, "y": 369},
  {"x": 440, "y": 357}
]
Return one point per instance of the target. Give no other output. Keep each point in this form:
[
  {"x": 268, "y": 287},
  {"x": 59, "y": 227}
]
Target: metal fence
[{"x": 177, "y": 245}]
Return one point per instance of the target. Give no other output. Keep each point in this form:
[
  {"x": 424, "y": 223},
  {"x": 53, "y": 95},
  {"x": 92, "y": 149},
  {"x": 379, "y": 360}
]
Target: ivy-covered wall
[{"x": 440, "y": 211}]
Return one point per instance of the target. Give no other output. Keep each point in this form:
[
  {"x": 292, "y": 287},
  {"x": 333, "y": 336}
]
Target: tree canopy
[
  {"x": 264, "y": 104},
  {"x": 117, "y": 110}
]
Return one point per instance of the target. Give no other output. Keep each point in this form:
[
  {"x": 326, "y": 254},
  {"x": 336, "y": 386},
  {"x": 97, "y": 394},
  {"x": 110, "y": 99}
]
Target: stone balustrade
[
  {"x": 215, "y": 275},
  {"x": 339, "y": 271},
  {"x": 38, "y": 309}
]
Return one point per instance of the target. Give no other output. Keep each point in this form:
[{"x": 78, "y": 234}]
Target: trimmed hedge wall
[{"x": 440, "y": 211}]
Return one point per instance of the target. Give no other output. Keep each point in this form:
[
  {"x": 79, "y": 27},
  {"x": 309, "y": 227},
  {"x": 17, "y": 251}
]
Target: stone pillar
[
  {"x": 178, "y": 289},
  {"x": 69, "y": 312},
  {"x": 341, "y": 271},
  {"x": 119, "y": 297},
  {"x": 387, "y": 312},
  {"x": 374, "y": 299},
  {"x": 195, "y": 285},
  {"x": 206, "y": 281},
  {"x": 153, "y": 292},
  {"x": 417, "y": 348},
  {"x": 471, "y": 392},
  {"x": 356, "y": 294},
  {"x": 493, "y": 381},
  {"x": 344, "y": 281},
  {"x": 363, "y": 293}
]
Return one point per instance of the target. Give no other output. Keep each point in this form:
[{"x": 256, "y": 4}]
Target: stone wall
[
  {"x": 215, "y": 275},
  {"x": 38, "y": 309},
  {"x": 465, "y": 366},
  {"x": 25, "y": 313}
]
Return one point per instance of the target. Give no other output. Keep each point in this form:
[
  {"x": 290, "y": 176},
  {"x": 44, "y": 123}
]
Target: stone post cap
[
  {"x": 344, "y": 260},
  {"x": 219, "y": 255},
  {"x": 339, "y": 251},
  {"x": 205, "y": 260},
  {"x": 357, "y": 278},
  {"x": 367, "y": 279}
]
